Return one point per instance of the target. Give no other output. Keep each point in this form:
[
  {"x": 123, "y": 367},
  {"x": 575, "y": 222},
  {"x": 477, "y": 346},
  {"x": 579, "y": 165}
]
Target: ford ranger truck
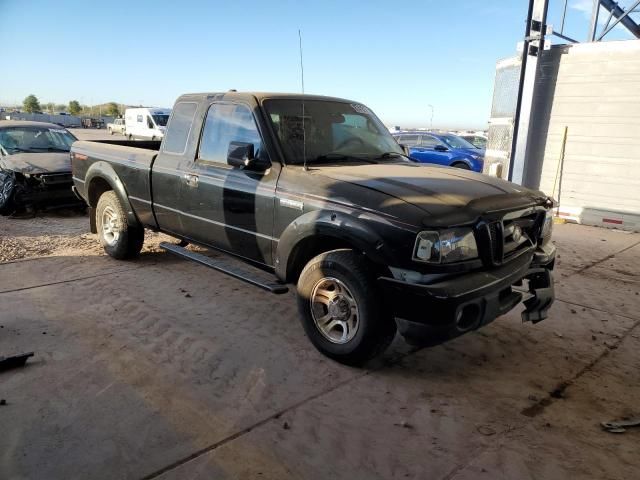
[{"x": 314, "y": 192}]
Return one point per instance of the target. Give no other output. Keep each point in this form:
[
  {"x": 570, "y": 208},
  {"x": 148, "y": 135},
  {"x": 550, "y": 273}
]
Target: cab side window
[
  {"x": 175, "y": 140},
  {"x": 226, "y": 123},
  {"x": 149, "y": 122}
]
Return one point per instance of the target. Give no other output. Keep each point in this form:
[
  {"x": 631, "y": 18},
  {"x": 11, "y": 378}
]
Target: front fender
[
  {"x": 327, "y": 223},
  {"x": 104, "y": 171}
]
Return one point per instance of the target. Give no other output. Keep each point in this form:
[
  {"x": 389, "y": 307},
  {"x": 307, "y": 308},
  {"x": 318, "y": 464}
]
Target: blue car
[{"x": 442, "y": 149}]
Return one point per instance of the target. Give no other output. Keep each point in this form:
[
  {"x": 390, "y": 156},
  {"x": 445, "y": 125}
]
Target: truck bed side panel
[{"x": 132, "y": 166}]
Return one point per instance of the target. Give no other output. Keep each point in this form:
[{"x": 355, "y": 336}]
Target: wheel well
[
  {"x": 308, "y": 248},
  {"x": 96, "y": 188},
  {"x": 459, "y": 162}
]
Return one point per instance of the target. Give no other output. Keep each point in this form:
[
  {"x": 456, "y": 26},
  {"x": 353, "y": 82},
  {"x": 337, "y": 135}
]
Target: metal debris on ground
[
  {"x": 14, "y": 361},
  {"x": 618, "y": 426}
]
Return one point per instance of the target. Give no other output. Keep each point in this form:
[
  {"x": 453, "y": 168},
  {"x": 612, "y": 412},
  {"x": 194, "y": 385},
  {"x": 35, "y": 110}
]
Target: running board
[{"x": 270, "y": 285}]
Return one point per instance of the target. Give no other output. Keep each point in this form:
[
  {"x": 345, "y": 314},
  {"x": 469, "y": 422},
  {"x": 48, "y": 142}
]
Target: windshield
[
  {"x": 329, "y": 131},
  {"x": 35, "y": 139},
  {"x": 161, "y": 120},
  {"x": 454, "y": 141}
]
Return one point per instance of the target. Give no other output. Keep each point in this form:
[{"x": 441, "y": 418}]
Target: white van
[{"x": 146, "y": 123}]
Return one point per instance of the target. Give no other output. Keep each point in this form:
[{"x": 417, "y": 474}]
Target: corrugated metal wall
[{"x": 594, "y": 90}]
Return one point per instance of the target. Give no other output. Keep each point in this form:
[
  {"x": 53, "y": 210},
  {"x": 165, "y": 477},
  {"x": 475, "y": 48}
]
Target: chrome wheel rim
[
  {"x": 110, "y": 231},
  {"x": 334, "y": 310}
]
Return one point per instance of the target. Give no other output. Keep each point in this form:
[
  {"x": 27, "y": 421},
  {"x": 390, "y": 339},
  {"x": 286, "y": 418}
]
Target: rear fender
[
  {"x": 326, "y": 223},
  {"x": 104, "y": 171}
]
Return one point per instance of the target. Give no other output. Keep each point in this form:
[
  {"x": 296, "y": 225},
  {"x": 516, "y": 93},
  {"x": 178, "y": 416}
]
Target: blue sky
[{"x": 396, "y": 57}]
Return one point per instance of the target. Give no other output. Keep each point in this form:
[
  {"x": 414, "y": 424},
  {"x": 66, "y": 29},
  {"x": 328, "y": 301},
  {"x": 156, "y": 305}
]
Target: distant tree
[
  {"x": 74, "y": 107},
  {"x": 50, "y": 107},
  {"x": 112, "y": 109},
  {"x": 30, "y": 104},
  {"x": 61, "y": 107}
]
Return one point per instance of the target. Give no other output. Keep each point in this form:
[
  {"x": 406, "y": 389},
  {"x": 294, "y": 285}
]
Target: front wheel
[
  {"x": 341, "y": 310},
  {"x": 461, "y": 165},
  {"x": 119, "y": 239}
]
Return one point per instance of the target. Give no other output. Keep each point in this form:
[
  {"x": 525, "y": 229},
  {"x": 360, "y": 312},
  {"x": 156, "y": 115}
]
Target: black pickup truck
[{"x": 314, "y": 191}]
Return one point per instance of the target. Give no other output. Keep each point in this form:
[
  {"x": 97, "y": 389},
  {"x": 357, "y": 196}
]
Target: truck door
[
  {"x": 230, "y": 208},
  {"x": 170, "y": 168},
  {"x": 425, "y": 151}
]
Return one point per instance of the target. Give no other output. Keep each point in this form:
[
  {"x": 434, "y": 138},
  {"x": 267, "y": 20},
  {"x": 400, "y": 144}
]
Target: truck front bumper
[{"x": 444, "y": 309}]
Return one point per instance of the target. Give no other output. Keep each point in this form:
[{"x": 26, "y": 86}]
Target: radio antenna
[{"x": 304, "y": 133}]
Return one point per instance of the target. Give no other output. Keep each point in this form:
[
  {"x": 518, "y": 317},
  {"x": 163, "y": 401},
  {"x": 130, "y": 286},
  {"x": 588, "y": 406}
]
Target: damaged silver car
[{"x": 35, "y": 169}]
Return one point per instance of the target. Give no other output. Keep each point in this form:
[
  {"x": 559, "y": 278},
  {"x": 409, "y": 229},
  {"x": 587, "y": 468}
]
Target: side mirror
[
  {"x": 440, "y": 148},
  {"x": 241, "y": 155}
]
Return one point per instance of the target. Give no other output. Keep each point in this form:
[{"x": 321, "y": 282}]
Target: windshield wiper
[
  {"x": 50, "y": 149},
  {"x": 18, "y": 149},
  {"x": 330, "y": 157},
  {"x": 393, "y": 154}
]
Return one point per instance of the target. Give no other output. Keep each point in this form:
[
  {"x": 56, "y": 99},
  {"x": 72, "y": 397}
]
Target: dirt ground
[{"x": 159, "y": 368}]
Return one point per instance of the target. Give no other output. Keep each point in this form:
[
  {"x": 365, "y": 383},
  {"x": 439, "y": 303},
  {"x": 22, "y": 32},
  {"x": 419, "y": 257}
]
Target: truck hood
[
  {"x": 448, "y": 196},
  {"x": 32, "y": 163}
]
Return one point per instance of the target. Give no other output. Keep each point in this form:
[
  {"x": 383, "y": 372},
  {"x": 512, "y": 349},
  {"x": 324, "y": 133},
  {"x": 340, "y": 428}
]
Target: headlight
[
  {"x": 547, "y": 227},
  {"x": 445, "y": 246}
]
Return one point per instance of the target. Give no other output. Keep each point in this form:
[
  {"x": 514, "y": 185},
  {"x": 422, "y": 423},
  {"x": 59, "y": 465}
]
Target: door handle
[{"x": 191, "y": 180}]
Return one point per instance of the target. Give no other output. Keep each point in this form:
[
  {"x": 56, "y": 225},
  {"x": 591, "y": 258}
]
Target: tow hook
[{"x": 542, "y": 295}]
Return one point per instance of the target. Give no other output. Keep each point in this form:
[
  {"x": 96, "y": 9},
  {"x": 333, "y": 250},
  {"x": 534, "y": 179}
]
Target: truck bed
[{"x": 131, "y": 161}]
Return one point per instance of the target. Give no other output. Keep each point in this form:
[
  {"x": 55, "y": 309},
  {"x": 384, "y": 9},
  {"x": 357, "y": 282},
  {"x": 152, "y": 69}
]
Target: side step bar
[{"x": 270, "y": 285}]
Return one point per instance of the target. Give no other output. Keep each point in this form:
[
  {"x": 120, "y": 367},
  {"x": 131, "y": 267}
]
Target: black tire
[
  {"x": 110, "y": 132},
  {"x": 120, "y": 240},
  {"x": 461, "y": 165},
  {"x": 375, "y": 326}
]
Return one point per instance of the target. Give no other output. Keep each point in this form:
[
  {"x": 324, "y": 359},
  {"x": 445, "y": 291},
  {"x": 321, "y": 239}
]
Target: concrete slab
[
  {"x": 580, "y": 246},
  {"x": 138, "y": 373},
  {"x": 164, "y": 369},
  {"x": 436, "y": 414}
]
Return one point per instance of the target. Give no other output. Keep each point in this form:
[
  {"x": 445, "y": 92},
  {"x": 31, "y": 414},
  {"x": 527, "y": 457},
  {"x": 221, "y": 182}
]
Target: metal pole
[
  {"x": 564, "y": 13},
  {"x": 619, "y": 19},
  {"x": 564, "y": 143},
  {"x": 523, "y": 69},
  {"x": 594, "y": 20},
  {"x": 431, "y": 122},
  {"x": 520, "y": 158}
]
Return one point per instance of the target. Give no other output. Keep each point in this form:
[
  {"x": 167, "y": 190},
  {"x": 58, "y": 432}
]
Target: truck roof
[{"x": 260, "y": 96}]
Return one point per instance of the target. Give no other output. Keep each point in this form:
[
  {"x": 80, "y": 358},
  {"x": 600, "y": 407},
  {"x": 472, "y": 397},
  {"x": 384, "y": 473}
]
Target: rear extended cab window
[{"x": 175, "y": 140}]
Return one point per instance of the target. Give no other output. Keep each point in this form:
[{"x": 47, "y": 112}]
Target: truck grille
[
  {"x": 51, "y": 179},
  {"x": 500, "y": 241}
]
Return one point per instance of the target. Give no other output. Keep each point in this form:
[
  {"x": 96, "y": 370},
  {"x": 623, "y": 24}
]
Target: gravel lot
[{"x": 159, "y": 368}]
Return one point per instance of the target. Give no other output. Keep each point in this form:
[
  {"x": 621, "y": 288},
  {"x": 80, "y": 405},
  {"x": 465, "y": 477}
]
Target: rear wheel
[
  {"x": 461, "y": 165},
  {"x": 341, "y": 310},
  {"x": 119, "y": 239},
  {"x": 110, "y": 132}
]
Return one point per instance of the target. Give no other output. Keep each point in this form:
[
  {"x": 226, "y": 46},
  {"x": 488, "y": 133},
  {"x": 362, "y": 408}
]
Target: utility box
[{"x": 592, "y": 89}]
